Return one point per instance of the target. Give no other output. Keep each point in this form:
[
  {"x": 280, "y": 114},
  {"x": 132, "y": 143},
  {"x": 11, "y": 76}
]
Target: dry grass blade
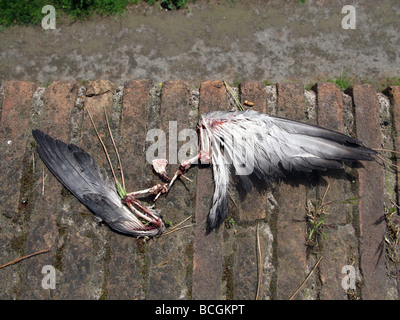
[
  {"x": 233, "y": 95},
  {"x": 116, "y": 150},
  {"x": 388, "y": 162},
  {"x": 385, "y": 162},
  {"x": 325, "y": 193},
  {"x": 306, "y": 279},
  {"x": 182, "y": 222},
  {"x": 233, "y": 200},
  {"x": 259, "y": 260},
  {"x": 43, "y": 178},
  {"x": 386, "y": 150},
  {"x": 104, "y": 148},
  {"x": 315, "y": 217},
  {"x": 24, "y": 257},
  {"x": 176, "y": 228},
  {"x": 33, "y": 162}
]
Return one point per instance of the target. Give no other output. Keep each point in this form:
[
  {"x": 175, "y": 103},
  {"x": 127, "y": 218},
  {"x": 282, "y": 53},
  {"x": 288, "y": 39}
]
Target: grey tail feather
[{"x": 214, "y": 220}]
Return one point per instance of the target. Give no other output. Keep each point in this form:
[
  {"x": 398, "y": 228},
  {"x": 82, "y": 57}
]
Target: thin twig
[
  {"x": 305, "y": 280},
  {"x": 104, "y": 148},
  {"x": 116, "y": 150},
  {"x": 259, "y": 259},
  {"x": 24, "y": 257}
]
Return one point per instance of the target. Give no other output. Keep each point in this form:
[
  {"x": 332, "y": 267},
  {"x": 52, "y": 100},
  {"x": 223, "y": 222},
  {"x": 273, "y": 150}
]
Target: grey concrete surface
[{"x": 274, "y": 41}]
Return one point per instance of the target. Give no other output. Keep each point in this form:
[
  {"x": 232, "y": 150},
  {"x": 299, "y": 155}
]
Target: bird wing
[
  {"x": 80, "y": 174},
  {"x": 267, "y": 146}
]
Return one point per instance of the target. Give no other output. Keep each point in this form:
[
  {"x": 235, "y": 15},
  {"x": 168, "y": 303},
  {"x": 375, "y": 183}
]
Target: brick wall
[{"x": 92, "y": 262}]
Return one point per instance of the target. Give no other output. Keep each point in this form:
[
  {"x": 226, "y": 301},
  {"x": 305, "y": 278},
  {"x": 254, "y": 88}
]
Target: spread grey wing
[
  {"x": 80, "y": 174},
  {"x": 256, "y": 143}
]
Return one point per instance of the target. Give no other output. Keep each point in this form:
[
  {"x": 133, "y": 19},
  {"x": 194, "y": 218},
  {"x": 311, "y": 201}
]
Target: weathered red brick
[
  {"x": 252, "y": 207},
  {"x": 133, "y": 129},
  {"x": 43, "y": 231},
  {"x": 334, "y": 247},
  {"x": 394, "y": 92},
  {"x": 98, "y": 101},
  {"x": 207, "y": 258},
  {"x": 99, "y": 87},
  {"x": 291, "y": 101},
  {"x": 14, "y": 134},
  {"x": 84, "y": 238},
  {"x": 330, "y": 106},
  {"x": 330, "y": 116},
  {"x": 253, "y": 91},
  {"x": 291, "y": 250},
  {"x": 371, "y": 188},
  {"x": 168, "y": 254},
  {"x": 175, "y": 108},
  {"x": 127, "y": 267},
  {"x": 58, "y": 102}
]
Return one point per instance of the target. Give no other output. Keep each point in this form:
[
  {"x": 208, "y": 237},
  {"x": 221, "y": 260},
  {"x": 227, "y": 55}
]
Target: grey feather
[{"x": 80, "y": 174}]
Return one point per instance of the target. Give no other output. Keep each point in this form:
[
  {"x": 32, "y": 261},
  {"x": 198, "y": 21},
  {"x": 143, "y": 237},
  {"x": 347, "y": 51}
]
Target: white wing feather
[{"x": 256, "y": 143}]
